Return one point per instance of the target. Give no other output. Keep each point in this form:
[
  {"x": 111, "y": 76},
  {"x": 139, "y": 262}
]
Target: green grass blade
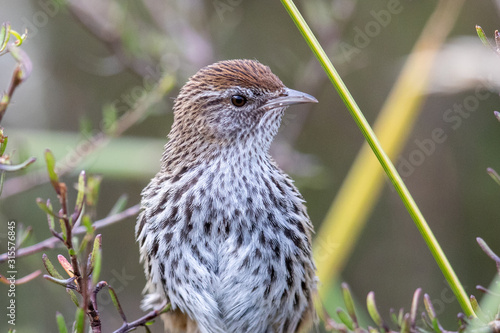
[{"x": 384, "y": 160}]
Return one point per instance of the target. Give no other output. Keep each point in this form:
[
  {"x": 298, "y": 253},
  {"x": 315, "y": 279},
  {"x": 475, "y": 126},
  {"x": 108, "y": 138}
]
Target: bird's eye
[{"x": 238, "y": 100}]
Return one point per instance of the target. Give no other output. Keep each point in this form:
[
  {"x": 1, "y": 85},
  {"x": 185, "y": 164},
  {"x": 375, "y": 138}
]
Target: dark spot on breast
[
  {"x": 296, "y": 301},
  {"x": 245, "y": 263},
  {"x": 289, "y": 269},
  {"x": 276, "y": 248},
  {"x": 262, "y": 238},
  {"x": 267, "y": 291},
  {"x": 257, "y": 254},
  {"x": 186, "y": 230},
  {"x": 168, "y": 237},
  {"x": 175, "y": 263},
  {"x": 154, "y": 248},
  {"x": 161, "y": 267},
  {"x": 272, "y": 221},
  {"x": 207, "y": 227}
]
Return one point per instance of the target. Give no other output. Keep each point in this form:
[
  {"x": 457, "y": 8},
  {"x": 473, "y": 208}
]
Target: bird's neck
[{"x": 194, "y": 152}]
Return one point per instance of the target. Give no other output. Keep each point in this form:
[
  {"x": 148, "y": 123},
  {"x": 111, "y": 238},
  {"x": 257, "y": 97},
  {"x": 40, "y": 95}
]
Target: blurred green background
[{"x": 106, "y": 52}]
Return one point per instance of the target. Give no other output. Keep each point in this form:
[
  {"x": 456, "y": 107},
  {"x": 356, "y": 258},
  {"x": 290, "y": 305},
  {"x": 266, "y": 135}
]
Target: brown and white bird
[{"x": 224, "y": 234}]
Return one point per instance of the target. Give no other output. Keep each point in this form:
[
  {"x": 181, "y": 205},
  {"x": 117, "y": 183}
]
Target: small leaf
[
  {"x": 477, "y": 309},
  {"x": 116, "y": 303},
  {"x": 488, "y": 250},
  {"x": 372, "y": 310},
  {"x": 345, "y": 319},
  {"x": 61, "y": 325},
  {"x": 406, "y": 324},
  {"x": 96, "y": 259},
  {"x": 93, "y": 186},
  {"x": 50, "y": 268},
  {"x": 3, "y": 142},
  {"x": 66, "y": 265},
  {"x": 79, "y": 320},
  {"x": 87, "y": 223},
  {"x": 497, "y": 115},
  {"x": 17, "y": 167},
  {"x": 51, "y": 164},
  {"x": 24, "y": 235},
  {"x": 4, "y": 36},
  {"x": 80, "y": 199},
  {"x": 47, "y": 208},
  {"x": 493, "y": 174},
  {"x": 414, "y": 308},
  {"x": 66, "y": 283},
  {"x": 429, "y": 308},
  {"x": 483, "y": 38},
  {"x": 349, "y": 303},
  {"x": 64, "y": 233},
  {"x": 73, "y": 297}
]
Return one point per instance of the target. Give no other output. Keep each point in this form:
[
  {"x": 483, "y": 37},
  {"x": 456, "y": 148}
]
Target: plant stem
[{"x": 384, "y": 160}]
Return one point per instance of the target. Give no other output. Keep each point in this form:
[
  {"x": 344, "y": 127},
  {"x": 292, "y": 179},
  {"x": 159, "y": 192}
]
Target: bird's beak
[{"x": 289, "y": 97}]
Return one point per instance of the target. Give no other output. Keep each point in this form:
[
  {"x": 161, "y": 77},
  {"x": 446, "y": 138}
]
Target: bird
[{"x": 223, "y": 232}]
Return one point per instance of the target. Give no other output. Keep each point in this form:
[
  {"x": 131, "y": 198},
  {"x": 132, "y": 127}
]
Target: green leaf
[
  {"x": 4, "y": 36},
  {"x": 64, "y": 234},
  {"x": 24, "y": 234},
  {"x": 61, "y": 325},
  {"x": 372, "y": 309},
  {"x": 482, "y": 37},
  {"x": 17, "y": 167},
  {"x": 80, "y": 199},
  {"x": 50, "y": 217},
  {"x": 414, "y": 307},
  {"x": 61, "y": 282},
  {"x": 116, "y": 303},
  {"x": 51, "y": 164},
  {"x": 73, "y": 297},
  {"x": 47, "y": 208},
  {"x": 345, "y": 319},
  {"x": 95, "y": 260},
  {"x": 87, "y": 223},
  {"x": 50, "y": 267},
  {"x": 79, "y": 320},
  {"x": 405, "y": 325},
  {"x": 349, "y": 303},
  {"x": 3, "y": 142},
  {"x": 429, "y": 308},
  {"x": 93, "y": 186},
  {"x": 493, "y": 174}
]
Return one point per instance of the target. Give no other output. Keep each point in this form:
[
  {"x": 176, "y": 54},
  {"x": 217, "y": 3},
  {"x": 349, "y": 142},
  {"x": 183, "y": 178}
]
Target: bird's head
[{"x": 234, "y": 102}]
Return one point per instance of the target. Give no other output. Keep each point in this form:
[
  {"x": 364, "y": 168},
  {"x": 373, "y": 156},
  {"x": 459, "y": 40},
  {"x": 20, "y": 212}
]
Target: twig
[
  {"x": 51, "y": 242},
  {"x": 128, "y": 327}
]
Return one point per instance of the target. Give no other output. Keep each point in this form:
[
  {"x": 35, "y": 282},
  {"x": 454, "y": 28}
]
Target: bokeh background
[{"x": 89, "y": 56}]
